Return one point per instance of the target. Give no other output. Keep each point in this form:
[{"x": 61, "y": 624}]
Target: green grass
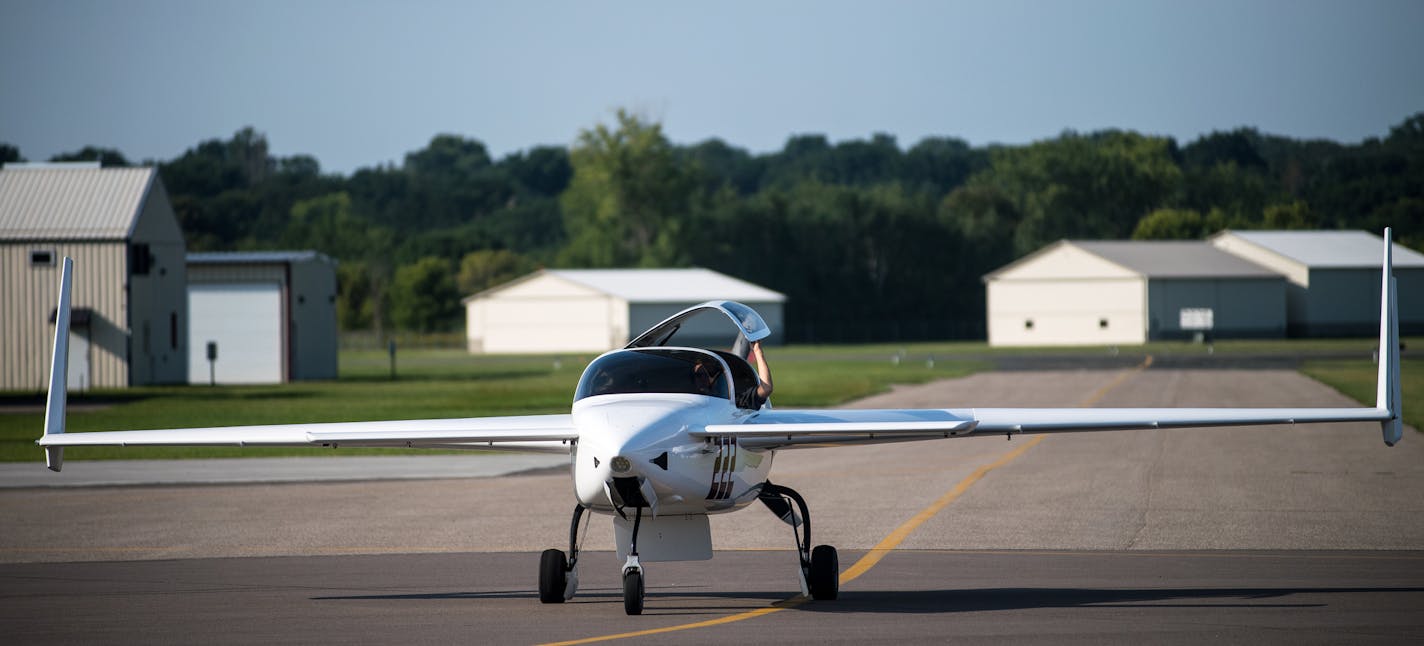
[
  {"x": 1358, "y": 379},
  {"x": 430, "y": 384}
]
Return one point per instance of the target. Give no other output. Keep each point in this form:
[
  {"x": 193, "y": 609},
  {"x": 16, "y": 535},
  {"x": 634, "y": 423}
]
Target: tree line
[{"x": 869, "y": 241}]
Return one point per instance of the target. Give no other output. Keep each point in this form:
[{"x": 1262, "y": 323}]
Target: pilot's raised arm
[{"x": 758, "y": 358}]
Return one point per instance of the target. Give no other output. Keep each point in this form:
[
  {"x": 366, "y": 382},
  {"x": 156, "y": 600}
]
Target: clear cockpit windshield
[{"x": 670, "y": 370}]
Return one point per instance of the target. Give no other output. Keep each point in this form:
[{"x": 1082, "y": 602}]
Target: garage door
[{"x": 246, "y": 322}]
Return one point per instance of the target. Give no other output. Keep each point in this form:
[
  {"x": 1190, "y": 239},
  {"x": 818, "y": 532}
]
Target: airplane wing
[
  {"x": 527, "y": 433},
  {"x": 783, "y": 429}
]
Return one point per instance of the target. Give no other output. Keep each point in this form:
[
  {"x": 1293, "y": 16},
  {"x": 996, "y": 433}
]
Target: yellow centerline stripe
[{"x": 882, "y": 548}]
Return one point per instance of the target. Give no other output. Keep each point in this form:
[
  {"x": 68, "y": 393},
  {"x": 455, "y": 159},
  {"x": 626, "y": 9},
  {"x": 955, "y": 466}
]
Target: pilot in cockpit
[{"x": 704, "y": 377}]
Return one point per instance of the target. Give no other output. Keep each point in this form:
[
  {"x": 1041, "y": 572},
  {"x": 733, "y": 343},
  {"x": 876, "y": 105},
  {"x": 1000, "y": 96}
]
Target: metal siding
[
  {"x": 313, "y": 319},
  {"x": 1240, "y": 307},
  {"x": 206, "y": 273},
  {"x": 31, "y": 293},
  {"x": 71, "y": 203},
  {"x": 1343, "y": 302}
]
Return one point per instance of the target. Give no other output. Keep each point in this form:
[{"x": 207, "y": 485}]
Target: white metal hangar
[
  {"x": 270, "y": 317},
  {"x": 1333, "y": 278},
  {"x": 1129, "y": 292},
  {"x": 594, "y": 310},
  {"x": 129, "y": 325}
]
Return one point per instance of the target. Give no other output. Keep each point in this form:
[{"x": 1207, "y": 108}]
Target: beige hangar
[
  {"x": 1129, "y": 292},
  {"x": 129, "y": 325},
  {"x": 595, "y": 310}
]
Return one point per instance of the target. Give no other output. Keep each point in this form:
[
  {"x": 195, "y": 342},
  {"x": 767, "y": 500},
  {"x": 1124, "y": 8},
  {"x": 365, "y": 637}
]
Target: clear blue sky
[{"x": 357, "y": 83}]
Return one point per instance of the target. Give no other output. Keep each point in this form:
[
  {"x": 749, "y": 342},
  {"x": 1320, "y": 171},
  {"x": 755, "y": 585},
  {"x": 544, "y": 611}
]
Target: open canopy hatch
[{"x": 748, "y": 326}]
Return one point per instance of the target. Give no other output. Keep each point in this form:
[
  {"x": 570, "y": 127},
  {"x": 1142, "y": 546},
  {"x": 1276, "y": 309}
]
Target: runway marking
[{"x": 885, "y": 546}]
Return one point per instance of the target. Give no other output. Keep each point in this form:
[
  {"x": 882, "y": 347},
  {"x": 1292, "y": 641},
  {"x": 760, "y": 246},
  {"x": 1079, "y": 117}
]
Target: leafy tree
[
  {"x": 451, "y": 181},
  {"x": 107, "y": 157},
  {"x": 1077, "y": 186},
  {"x": 544, "y": 170},
  {"x": 9, "y": 153},
  {"x": 423, "y": 296},
  {"x": 326, "y": 223},
  {"x": 1296, "y": 215},
  {"x": 1179, "y": 224},
  {"x": 358, "y": 298},
  {"x": 629, "y": 190},
  {"x": 481, "y": 270},
  {"x": 942, "y": 164}
]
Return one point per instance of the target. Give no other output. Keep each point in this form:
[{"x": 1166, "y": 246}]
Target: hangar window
[
  {"x": 1028, "y": 324},
  {"x": 1102, "y": 324},
  {"x": 42, "y": 258}
]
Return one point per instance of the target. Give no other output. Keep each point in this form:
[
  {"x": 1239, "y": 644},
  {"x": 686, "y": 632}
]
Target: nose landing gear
[{"x": 820, "y": 567}]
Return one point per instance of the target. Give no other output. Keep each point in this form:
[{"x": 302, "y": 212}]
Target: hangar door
[{"x": 246, "y": 322}]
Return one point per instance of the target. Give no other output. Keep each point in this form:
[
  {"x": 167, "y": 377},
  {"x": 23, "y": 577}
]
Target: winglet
[
  {"x": 59, "y": 370},
  {"x": 1387, "y": 395}
]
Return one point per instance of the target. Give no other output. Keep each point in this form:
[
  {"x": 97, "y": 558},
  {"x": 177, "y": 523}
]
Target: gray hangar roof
[
  {"x": 1174, "y": 259},
  {"x": 71, "y": 202},
  {"x": 1336, "y": 249},
  {"x": 1157, "y": 259}
]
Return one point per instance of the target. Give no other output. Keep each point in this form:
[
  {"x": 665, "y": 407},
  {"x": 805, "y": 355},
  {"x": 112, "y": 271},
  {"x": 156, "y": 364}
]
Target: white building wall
[
  {"x": 1049, "y": 312},
  {"x": 545, "y": 314}
]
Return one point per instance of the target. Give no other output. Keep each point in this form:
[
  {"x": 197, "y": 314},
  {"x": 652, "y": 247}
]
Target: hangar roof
[
  {"x": 1153, "y": 259},
  {"x": 71, "y": 201},
  {"x": 1332, "y": 249},
  {"x": 1174, "y": 259},
  {"x": 255, "y": 257},
  {"x": 658, "y": 285},
  {"x": 669, "y": 285}
]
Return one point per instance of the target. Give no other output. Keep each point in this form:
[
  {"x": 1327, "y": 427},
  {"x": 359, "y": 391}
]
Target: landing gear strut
[
  {"x": 820, "y": 567},
  {"x": 633, "y": 591},
  {"x": 558, "y": 577}
]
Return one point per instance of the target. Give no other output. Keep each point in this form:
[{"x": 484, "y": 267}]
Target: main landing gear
[
  {"x": 558, "y": 577},
  {"x": 820, "y": 567}
]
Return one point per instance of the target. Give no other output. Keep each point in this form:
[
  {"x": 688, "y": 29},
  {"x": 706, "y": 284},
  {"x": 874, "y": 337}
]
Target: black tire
[
  {"x": 633, "y": 592},
  {"x": 824, "y": 578},
  {"x": 552, "y": 576}
]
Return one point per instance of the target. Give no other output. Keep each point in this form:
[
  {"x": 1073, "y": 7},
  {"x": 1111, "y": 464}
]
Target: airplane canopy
[{"x": 748, "y": 324}]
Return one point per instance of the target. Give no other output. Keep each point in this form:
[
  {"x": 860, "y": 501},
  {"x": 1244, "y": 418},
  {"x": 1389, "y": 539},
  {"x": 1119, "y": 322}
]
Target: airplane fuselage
[{"x": 643, "y": 442}]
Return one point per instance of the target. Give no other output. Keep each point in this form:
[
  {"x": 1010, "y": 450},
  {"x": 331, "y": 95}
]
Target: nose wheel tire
[
  {"x": 633, "y": 592},
  {"x": 552, "y": 576},
  {"x": 824, "y": 575}
]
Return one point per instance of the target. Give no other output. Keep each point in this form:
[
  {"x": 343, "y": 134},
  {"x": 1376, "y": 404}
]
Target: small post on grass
[
  {"x": 391, "y": 348},
  {"x": 212, "y": 363}
]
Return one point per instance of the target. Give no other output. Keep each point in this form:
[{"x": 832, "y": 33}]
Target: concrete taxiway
[{"x": 1275, "y": 534}]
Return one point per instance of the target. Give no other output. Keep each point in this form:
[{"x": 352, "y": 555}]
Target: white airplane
[{"x": 660, "y": 436}]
